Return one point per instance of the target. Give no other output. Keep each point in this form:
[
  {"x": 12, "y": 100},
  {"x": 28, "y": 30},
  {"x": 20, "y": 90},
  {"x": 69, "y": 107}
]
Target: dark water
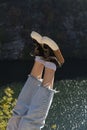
[{"x": 11, "y": 71}]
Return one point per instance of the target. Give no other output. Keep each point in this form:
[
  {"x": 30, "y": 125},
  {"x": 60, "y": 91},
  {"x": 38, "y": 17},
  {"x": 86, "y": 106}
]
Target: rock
[
  {"x": 12, "y": 50},
  {"x": 63, "y": 21}
]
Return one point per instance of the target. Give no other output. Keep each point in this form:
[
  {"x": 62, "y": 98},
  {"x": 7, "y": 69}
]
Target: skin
[
  {"x": 48, "y": 77},
  {"x": 37, "y": 70}
]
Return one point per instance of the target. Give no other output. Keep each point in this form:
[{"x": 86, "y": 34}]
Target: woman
[{"x": 36, "y": 97}]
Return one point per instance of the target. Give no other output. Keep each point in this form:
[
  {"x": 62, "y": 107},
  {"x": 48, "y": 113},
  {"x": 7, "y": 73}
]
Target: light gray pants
[{"x": 32, "y": 106}]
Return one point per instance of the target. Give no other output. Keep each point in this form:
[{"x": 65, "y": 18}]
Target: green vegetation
[
  {"x": 68, "y": 110},
  {"x": 8, "y": 97}
]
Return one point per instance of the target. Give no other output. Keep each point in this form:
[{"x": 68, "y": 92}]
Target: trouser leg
[
  {"x": 39, "y": 108},
  {"x": 23, "y": 102}
]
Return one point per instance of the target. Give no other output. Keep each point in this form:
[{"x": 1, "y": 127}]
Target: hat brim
[
  {"x": 54, "y": 47},
  {"x": 36, "y": 36}
]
